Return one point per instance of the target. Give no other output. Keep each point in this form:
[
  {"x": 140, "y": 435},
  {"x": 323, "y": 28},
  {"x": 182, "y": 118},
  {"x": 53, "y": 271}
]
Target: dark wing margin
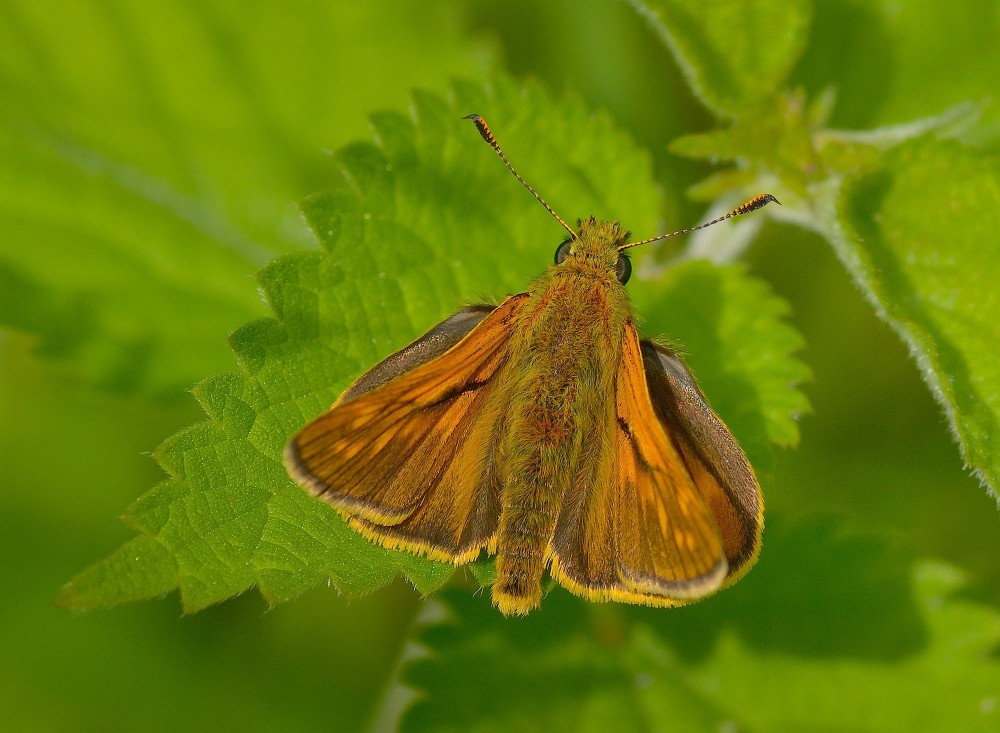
[
  {"x": 714, "y": 459},
  {"x": 429, "y": 346}
]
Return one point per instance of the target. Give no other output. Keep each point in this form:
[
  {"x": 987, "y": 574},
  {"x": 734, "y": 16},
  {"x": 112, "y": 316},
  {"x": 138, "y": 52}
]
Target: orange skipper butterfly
[{"x": 545, "y": 431}]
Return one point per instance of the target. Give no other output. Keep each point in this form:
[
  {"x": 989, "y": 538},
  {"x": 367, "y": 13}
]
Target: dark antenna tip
[{"x": 484, "y": 129}]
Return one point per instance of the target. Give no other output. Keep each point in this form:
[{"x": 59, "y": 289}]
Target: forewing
[
  {"x": 407, "y": 456},
  {"x": 720, "y": 470},
  {"x": 635, "y": 527},
  {"x": 429, "y": 346}
]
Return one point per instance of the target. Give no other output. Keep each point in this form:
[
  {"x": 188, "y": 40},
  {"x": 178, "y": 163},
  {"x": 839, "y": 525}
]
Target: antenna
[
  {"x": 757, "y": 202},
  {"x": 487, "y": 135}
]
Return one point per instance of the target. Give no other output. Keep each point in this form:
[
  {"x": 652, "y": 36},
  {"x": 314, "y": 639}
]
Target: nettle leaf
[
  {"x": 140, "y": 187},
  {"x": 919, "y": 234},
  {"x": 738, "y": 53},
  {"x": 414, "y": 227},
  {"x": 766, "y": 655}
]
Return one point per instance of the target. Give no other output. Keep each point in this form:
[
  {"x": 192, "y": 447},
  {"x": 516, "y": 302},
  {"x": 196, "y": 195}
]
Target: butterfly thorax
[{"x": 571, "y": 333}]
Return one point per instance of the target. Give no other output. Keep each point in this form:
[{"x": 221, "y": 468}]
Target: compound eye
[
  {"x": 623, "y": 270},
  {"x": 562, "y": 251}
]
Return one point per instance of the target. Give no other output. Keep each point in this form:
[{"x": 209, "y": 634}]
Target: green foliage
[
  {"x": 735, "y": 55},
  {"x": 594, "y": 668},
  {"x": 142, "y": 185},
  {"x": 128, "y": 241},
  {"x": 918, "y": 232}
]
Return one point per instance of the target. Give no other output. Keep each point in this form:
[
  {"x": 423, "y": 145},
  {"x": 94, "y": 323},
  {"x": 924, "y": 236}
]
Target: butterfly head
[{"x": 595, "y": 246}]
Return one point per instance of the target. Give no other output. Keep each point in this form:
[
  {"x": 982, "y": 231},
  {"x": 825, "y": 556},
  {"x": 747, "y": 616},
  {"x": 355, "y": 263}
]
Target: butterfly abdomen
[{"x": 566, "y": 356}]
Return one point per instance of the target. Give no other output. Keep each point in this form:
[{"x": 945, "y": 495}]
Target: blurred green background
[{"x": 106, "y": 103}]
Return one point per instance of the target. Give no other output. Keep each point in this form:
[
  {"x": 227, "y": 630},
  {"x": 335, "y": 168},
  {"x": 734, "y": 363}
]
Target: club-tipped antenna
[
  {"x": 487, "y": 135},
  {"x": 753, "y": 204}
]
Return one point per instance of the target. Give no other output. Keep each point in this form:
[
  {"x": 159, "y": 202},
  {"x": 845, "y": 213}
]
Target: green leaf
[
  {"x": 884, "y": 59},
  {"x": 734, "y": 53},
  {"x": 141, "y": 186},
  {"x": 413, "y": 227},
  {"x": 767, "y": 655},
  {"x": 918, "y": 233}
]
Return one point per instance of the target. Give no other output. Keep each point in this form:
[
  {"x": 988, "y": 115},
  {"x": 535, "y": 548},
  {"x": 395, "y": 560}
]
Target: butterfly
[{"x": 547, "y": 433}]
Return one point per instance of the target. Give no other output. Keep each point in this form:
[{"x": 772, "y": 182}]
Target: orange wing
[
  {"x": 636, "y": 526},
  {"x": 407, "y": 457}
]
